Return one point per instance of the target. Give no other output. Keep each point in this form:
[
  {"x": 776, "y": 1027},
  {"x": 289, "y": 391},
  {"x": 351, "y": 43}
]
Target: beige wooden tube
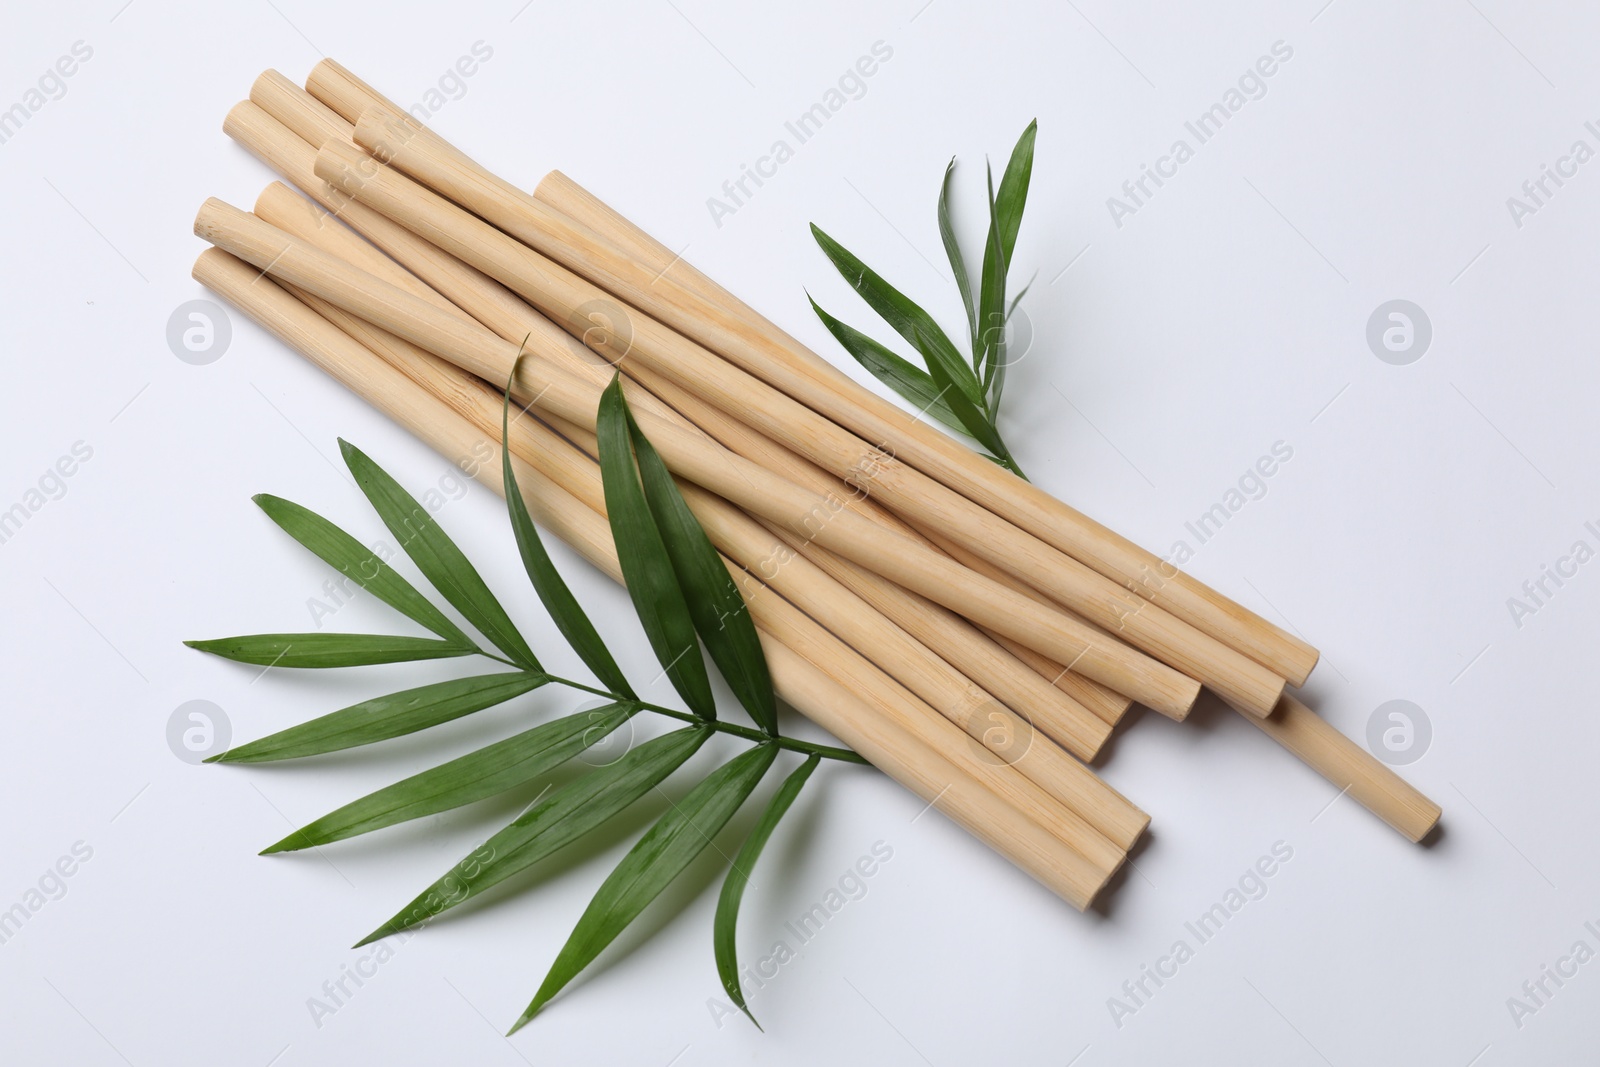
[
  {"x": 312, "y": 121},
  {"x": 566, "y": 298},
  {"x": 911, "y": 756},
  {"x": 746, "y": 484},
  {"x": 822, "y": 386},
  {"x": 1113, "y": 824},
  {"x": 1369, "y": 781}
]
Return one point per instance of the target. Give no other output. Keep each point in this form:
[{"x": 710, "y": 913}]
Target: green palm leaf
[
  {"x": 659, "y": 857},
  {"x": 549, "y": 824},
  {"x": 719, "y": 612},
  {"x": 553, "y": 592},
  {"x": 488, "y": 772},
  {"x": 646, "y": 565},
  {"x": 358, "y": 563},
  {"x": 327, "y": 650},
  {"x": 437, "y": 556},
  {"x": 725, "y": 926},
  {"x": 388, "y": 716}
]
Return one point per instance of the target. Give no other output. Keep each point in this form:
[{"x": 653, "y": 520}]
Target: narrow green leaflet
[
  {"x": 659, "y": 857},
  {"x": 975, "y": 421},
  {"x": 384, "y": 717},
  {"x": 911, "y": 382},
  {"x": 727, "y": 921},
  {"x": 553, "y": 592},
  {"x": 358, "y": 563},
  {"x": 327, "y": 650},
  {"x": 437, "y": 556},
  {"x": 992, "y": 298},
  {"x": 1005, "y": 219},
  {"x": 554, "y": 821},
  {"x": 958, "y": 265},
  {"x": 961, "y": 393},
  {"x": 488, "y": 772},
  {"x": 646, "y": 565},
  {"x": 1014, "y": 189},
  {"x": 907, "y": 319},
  {"x": 719, "y": 612}
]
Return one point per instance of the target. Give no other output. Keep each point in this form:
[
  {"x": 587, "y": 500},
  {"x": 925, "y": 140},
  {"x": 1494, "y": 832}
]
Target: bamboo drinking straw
[
  {"x": 1368, "y": 780},
  {"x": 1019, "y": 687},
  {"x": 748, "y": 485},
  {"x": 508, "y": 316},
  {"x": 832, "y": 704},
  {"x": 566, "y": 297},
  {"x": 1115, "y": 823},
  {"x": 396, "y": 138}
]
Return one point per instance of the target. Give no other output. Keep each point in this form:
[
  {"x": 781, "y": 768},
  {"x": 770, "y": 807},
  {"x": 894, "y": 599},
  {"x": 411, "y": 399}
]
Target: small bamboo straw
[
  {"x": 793, "y": 657},
  {"x": 1115, "y": 822},
  {"x": 748, "y": 485},
  {"x": 566, "y": 298},
  {"x": 759, "y": 348},
  {"x": 1368, "y": 780}
]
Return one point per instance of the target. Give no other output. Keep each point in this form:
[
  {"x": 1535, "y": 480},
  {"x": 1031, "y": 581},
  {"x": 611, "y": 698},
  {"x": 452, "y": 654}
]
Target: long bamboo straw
[
  {"x": 313, "y": 122},
  {"x": 1114, "y": 821},
  {"x": 759, "y": 491},
  {"x": 760, "y": 348},
  {"x": 832, "y": 704},
  {"x": 566, "y": 298}
]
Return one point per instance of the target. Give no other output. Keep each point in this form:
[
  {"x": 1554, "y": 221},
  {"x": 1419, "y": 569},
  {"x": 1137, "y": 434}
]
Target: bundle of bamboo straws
[{"x": 973, "y": 637}]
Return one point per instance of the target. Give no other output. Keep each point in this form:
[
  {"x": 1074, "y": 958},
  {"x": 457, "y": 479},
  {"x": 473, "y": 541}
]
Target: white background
[{"x": 1227, "y": 314}]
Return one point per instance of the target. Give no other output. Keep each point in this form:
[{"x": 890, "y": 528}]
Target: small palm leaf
[
  {"x": 488, "y": 772},
  {"x": 726, "y": 923},
  {"x": 558, "y": 600},
  {"x": 384, "y": 717},
  {"x": 327, "y": 650},
  {"x": 659, "y": 857},
  {"x": 549, "y": 824},
  {"x": 437, "y": 556}
]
